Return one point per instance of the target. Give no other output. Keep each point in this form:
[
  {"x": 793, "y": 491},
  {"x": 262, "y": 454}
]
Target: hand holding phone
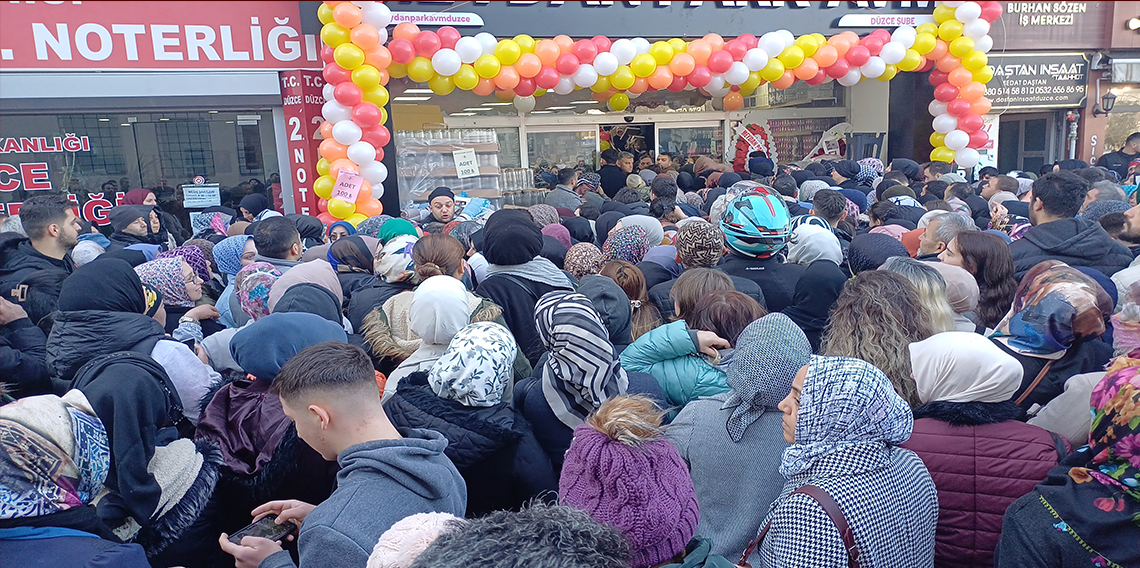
[{"x": 265, "y": 527}]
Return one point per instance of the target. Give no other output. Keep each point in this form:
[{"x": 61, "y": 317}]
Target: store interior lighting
[
  {"x": 473, "y": 109},
  {"x": 497, "y": 104},
  {"x": 462, "y": 114},
  {"x": 418, "y": 91},
  {"x": 104, "y": 120},
  {"x": 591, "y": 102},
  {"x": 211, "y": 112},
  {"x": 412, "y": 99}
]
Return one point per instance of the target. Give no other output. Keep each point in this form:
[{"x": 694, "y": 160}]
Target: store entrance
[{"x": 638, "y": 138}]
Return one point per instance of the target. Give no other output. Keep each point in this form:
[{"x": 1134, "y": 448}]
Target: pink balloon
[
  {"x": 378, "y": 137},
  {"x": 970, "y": 123},
  {"x": 735, "y": 48},
  {"x": 818, "y": 79},
  {"x": 858, "y": 56},
  {"x": 585, "y": 51},
  {"x": 335, "y": 74},
  {"x": 750, "y": 41},
  {"x": 547, "y": 78},
  {"x": 426, "y": 44},
  {"x": 958, "y": 107},
  {"x": 567, "y": 64},
  {"x": 978, "y": 139},
  {"x": 402, "y": 50},
  {"x": 448, "y": 37},
  {"x": 945, "y": 92},
  {"x": 700, "y": 76},
  {"x": 938, "y": 78},
  {"x": 720, "y": 61},
  {"x": 367, "y": 115},
  {"x": 348, "y": 94},
  {"x": 525, "y": 88},
  {"x": 873, "y": 43},
  {"x": 838, "y": 69},
  {"x": 678, "y": 84},
  {"x": 327, "y": 54},
  {"x": 603, "y": 43}
]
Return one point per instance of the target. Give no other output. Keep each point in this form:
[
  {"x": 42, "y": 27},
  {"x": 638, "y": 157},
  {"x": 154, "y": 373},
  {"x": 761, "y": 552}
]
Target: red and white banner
[
  {"x": 302, "y": 100},
  {"x": 169, "y": 35}
]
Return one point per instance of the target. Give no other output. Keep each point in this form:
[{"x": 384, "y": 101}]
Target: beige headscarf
[
  {"x": 958, "y": 366},
  {"x": 318, "y": 272}
]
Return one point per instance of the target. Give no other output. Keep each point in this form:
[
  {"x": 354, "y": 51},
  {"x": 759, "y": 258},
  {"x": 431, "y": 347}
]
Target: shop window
[
  {"x": 106, "y": 154},
  {"x": 510, "y": 150},
  {"x": 692, "y": 141},
  {"x": 185, "y": 149},
  {"x": 562, "y": 148},
  {"x": 249, "y": 150},
  {"x": 797, "y": 137}
]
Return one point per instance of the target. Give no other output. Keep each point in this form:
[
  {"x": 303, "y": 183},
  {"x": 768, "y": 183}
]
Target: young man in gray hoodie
[{"x": 329, "y": 391}]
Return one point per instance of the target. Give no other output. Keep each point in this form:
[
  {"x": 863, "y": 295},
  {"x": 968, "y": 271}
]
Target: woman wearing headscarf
[
  {"x": 395, "y": 274},
  {"x": 1084, "y": 513},
  {"x": 255, "y": 207},
  {"x": 162, "y": 227},
  {"x": 579, "y": 370},
  {"x": 543, "y": 215},
  {"x": 817, "y": 291},
  {"x": 845, "y": 422},
  {"x": 732, "y": 441},
  {"x": 605, "y": 225},
  {"x": 353, "y": 262},
  {"x": 340, "y": 230},
  {"x": 968, "y": 429},
  {"x": 231, "y": 254},
  {"x": 627, "y": 243},
  {"x": 583, "y": 259},
  {"x": 395, "y": 228},
  {"x": 370, "y": 227},
  {"x": 181, "y": 289},
  {"x": 251, "y": 294},
  {"x": 580, "y": 228},
  {"x": 465, "y": 395},
  {"x": 962, "y": 293},
  {"x": 809, "y": 243},
  {"x": 1052, "y": 329},
  {"x": 310, "y": 228},
  {"x": 194, "y": 257}
]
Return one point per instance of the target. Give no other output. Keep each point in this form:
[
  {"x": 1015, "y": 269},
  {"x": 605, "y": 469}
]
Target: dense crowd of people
[{"x": 844, "y": 364}]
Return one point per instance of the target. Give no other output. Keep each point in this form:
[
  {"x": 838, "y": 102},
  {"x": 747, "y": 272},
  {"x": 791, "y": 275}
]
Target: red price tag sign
[{"x": 348, "y": 185}]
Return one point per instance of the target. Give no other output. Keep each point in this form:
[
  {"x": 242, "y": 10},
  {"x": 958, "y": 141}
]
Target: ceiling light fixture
[
  {"x": 497, "y": 104},
  {"x": 591, "y": 102},
  {"x": 418, "y": 91},
  {"x": 462, "y": 114},
  {"x": 412, "y": 99},
  {"x": 476, "y": 108}
]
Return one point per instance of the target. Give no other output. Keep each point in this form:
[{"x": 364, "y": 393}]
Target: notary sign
[
  {"x": 465, "y": 164},
  {"x": 200, "y": 196},
  {"x": 1038, "y": 80}
]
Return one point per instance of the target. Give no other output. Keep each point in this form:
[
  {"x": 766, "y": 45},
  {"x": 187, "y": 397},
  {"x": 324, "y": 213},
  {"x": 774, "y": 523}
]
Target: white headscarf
[
  {"x": 476, "y": 366},
  {"x": 394, "y": 262},
  {"x": 958, "y": 366},
  {"x": 439, "y": 309},
  {"x": 809, "y": 243}
]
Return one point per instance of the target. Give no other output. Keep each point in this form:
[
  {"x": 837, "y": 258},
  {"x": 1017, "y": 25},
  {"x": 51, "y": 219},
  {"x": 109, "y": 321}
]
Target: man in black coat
[
  {"x": 1119, "y": 160},
  {"x": 130, "y": 225},
  {"x": 613, "y": 178},
  {"x": 52, "y": 229},
  {"x": 1058, "y": 234}
]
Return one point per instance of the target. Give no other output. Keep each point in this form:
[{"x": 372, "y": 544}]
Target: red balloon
[
  {"x": 366, "y": 115},
  {"x": 958, "y": 107},
  {"x": 602, "y": 42},
  {"x": 927, "y": 65},
  {"x": 881, "y": 34},
  {"x": 348, "y": 94},
  {"x": 585, "y": 51},
  {"x": 945, "y": 92},
  {"x": 322, "y": 205},
  {"x": 327, "y": 219},
  {"x": 336, "y": 74},
  {"x": 448, "y": 37},
  {"x": 991, "y": 11},
  {"x": 525, "y": 88},
  {"x": 567, "y": 64},
  {"x": 427, "y": 43},
  {"x": 938, "y": 78},
  {"x": 547, "y": 78},
  {"x": 750, "y": 41},
  {"x": 858, "y": 56},
  {"x": 678, "y": 84},
  {"x": 378, "y": 137},
  {"x": 720, "y": 61},
  {"x": 735, "y": 48},
  {"x": 818, "y": 79},
  {"x": 970, "y": 123},
  {"x": 402, "y": 50},
  {"x": 978, "y": 139},
  {"x": 700, "y": 76},
  {"x": 873, "y": 43},
  {"x": 838, "y": 69},
  {"x": 327, "y": 54}
]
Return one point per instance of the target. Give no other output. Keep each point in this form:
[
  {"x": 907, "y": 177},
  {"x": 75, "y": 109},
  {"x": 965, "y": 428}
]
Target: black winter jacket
[
  {"x": 776, "y": 278},
  {"x": 518, "y": 296},
  {"x": 23, "y": 359},
  {"x": 79, "y": 336},
  {"x": 364, "y": 300},
  {"x": 1076, "y": 242},
  {"x": 120, "y": 240},
  {"x": 19, "y": 259}
]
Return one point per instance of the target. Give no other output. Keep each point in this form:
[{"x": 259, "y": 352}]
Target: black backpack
[{"x": 139, "y": 356}]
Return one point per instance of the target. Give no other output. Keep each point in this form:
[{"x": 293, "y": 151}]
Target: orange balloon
[
  {"x": 682, "y": 64},
  {"x": 339, "y": 164},
  {"x": 661, "y": 78},
  {"x": 348, "y": 15},
  {"x": 840, "y": 43},
  {"x": 960, "y": 76},
  {"x": 715, "y": 41},
  {"x": 807, "y": 70},
  {"x": 948, "y": 63},
  {"x": 852, "y": 37},
  {"x": 564, "y": 43},
  {"x": 973, "y": 92},
  {"x": 733, "y": 101},
  {"x": 547, "y": 52},
  {"x": 326, "y": 130},
  {"x": 640, "y": 85},
  {"x": 601, "y": 97},
  {"x": 370, "y": 208},
  {"x": 365, "y": 36},
  {"x": 364, "y": 196},
  {"x": 484, "y": 88},
  {"x": 507, "y": 79},
  {"x": 981, "y": 106},
  {"x": 826, "y": 56},
  {"x": 331, "y": 150},
  {"x": 528, "y": 65},
  {"x": 406, "y": 30},
  {"x": 940, "y": 50},
  {"x": 378, "y": 57},
  {"x": 700, "y": 50},
  {"x": 383, "y": 78},
  {"x": 785, "y": 81}
]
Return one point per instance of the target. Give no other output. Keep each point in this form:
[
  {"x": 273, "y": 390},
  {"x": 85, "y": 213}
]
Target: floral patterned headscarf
[
  {"x": 583, "y": 259},
  {"x": 165, "y": 274},
  {"x": 252, "y": 285},
  {"x": 194, "y": 257},
  {"x": 628, "y": 243},
  {"x": 476, "y": 366}
]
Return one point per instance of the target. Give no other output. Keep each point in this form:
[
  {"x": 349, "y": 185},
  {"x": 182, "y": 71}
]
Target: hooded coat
[
  {"x": 670, "y": 353},
  {"x": 1076, "y": 242},
  {"x": 19, "y": 259}
]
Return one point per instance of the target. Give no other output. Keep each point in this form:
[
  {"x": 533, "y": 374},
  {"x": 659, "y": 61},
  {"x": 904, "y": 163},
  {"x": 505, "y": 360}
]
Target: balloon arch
[{"x": 359, "y": 61}]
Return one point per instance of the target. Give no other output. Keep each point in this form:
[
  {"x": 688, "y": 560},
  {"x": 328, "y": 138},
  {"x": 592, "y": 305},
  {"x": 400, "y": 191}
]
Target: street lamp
[{"x": 1107, "y": 101}]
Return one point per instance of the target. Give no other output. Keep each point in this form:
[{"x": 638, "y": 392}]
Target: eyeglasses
[{"x": 191, "y": 279}]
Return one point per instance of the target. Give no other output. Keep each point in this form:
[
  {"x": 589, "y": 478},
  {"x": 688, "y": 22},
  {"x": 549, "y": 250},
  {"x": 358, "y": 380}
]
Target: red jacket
[{"x": 982, "y": 459}]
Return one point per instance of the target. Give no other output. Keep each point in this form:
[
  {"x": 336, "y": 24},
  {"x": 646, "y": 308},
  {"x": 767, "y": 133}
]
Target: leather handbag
[{"x": 833, "y": 511}]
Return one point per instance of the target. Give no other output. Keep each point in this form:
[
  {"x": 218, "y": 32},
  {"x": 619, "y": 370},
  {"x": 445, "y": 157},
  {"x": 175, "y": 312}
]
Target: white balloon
[
  {"x": 976, "y": 29},
  {"x": 772, "y": 43},
  {"x": 755, "y": 59},
  {"x": 957, "y": 139},
  {"x": 945, "y": 123},
  {"x": 524, "y": 104},
  {"x": 874, "y": 67},
  {"x": 346, "y": 132},
  {"x": 737, "y": 74},
  {"x": 382, "y": 33},
  {"x": 361, "y": 153},
  {"x": 335, "y": 112},
  {"x": 469, "y": 49},
  {"x": 936, "y": 107},
  {"x": 904, "y": 35},
  {"x": 487, "y": 41},
  {"x": 984, "y": 44},
  {"x": 585, "y": 76},
  {"x": 624, "y": 50},
  {"x": 641, "y": 44},
  {"x": 787, "y": 36},
  {"x": 717, "y": 86},
  {"x": 565, "y": 86},
  {"x": 892, "y": 52},
  {"x": 605, "y": 63},
  {"x": 377, "y": 15},
  {"x": 967, "y": 157},
  {"x": 446, "y": 62},
  {"x": 851, "y": 78},
  {"x": 967, "y": 12},
  {"x": 375, "y": 173},
  {"x": 328, "y": 92}
]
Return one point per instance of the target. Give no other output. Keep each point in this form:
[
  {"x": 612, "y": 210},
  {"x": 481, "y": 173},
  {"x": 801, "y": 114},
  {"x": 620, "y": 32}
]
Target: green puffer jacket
[{"x": 671, "y": 355}]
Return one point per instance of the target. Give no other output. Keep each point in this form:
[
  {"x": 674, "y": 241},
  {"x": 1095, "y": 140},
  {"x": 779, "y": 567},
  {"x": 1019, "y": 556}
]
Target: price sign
[
  {"x": 348, "y": 185},
  {"x": 465, "y": 163}
]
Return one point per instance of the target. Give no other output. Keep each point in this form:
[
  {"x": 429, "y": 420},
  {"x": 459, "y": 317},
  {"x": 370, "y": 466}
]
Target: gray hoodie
[{"x": 379, "y": 483}]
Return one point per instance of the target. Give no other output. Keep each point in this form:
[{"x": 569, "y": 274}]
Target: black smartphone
[
  {"x": 191, "y": 343},
  {"x": 265, "y": 527}
]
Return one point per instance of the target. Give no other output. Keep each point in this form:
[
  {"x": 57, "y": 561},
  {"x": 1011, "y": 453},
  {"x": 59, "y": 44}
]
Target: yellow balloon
[
  {"x": 466, "y": 78},
  {"x": 334, "y": 34},
  {"x": 539, "y": 92},
  {"x": 348, "y": 55},
  {"x": 792, "y": 57},
  {"x": 807, "y": 44},
  {"x": 925, "y": 43},
  {"x": 323, "y": 186},
  {"x": 819, "y": 39},
  {"x": 937, "y": 139},
  {"x": 619, "y": 101},
  {"x": 622, "y": 79},
  {"x": 383, "y": 116},
  {"x": 601, "y": 86},
  {"x": 604, "y": 145},
  {"x": 420, "y": 70},
  {"x": 340, "y": 208},
  {"x": 662, "y": 52},
  {"x": 441, "y": 85},
  {"x": 643, "y": 65},
  {"x": 975, "y": 61},
  {"x": 487, "y": 66},
  {"x": 889, "y": 73},
  {"x": 507, "y": 51},
  {"x": 366, "y": 77},
  {"x": 911, "y": 61},
  {"x": 927, "y": 28},
  {"x": 356, "y": 218},
  {"x": 750, "y": 85},
  {"x": 678, "y": 45},
  {"x": 324, "y": 13},
  {"x": 323, "y": 165},
  {"x": 526, "y": 43},
  {"x": 950, "y": 30},
  {"x": 773, "y": 70},
  {"x": 943, "y": 13},
  {"x": 939, "y": 154},
  {"x": 397, "y": 70},
  {"x": 961, "y": 47},
  {"x": 984, "y": 74},
  {"x": 377, "y": 96}
]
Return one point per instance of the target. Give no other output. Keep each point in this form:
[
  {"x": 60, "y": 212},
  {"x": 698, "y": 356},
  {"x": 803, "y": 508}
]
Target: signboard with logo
[
  {"x": 1038, "y": 80},
  {"x": 302, "y": 100},
  {"x": 1052, "y": 25},
  {"x": 201, "y": 196}
]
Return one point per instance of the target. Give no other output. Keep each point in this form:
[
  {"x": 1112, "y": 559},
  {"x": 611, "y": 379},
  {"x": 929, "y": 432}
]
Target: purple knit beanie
[{"x": 644, "y": 491}]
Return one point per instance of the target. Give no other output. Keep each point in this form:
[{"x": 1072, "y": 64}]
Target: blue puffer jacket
[{"x": 673, "y": 358}]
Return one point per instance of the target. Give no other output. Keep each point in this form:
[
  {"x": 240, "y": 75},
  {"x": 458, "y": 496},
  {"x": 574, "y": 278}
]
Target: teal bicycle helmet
[{"x": 756, "y": 225}]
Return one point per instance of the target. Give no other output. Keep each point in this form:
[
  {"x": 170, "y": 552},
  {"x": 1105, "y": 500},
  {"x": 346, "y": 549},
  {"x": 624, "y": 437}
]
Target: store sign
[
  {"x": 201, "y": 196},
  {"x": 465, "y": 164},
  {"x": 302, "y": 101},
  {"x": 1066, "y": 25},
  {"x": 454, "y": 19},
  {"x": 50, "y": 36},
  {"x": 1038, "y": 80},
  {"x": 348, "y": 186}
]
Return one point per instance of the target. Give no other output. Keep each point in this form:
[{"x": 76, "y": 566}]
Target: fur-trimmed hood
[
  {"x": 970, "y": 413},
  {"x": 383, "y": 336}
]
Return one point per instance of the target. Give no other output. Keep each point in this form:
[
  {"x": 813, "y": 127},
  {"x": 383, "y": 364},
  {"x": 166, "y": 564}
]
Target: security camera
[{"x": 628, "y": 118}]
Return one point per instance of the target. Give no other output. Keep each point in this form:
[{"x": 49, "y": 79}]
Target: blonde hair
[
  {"x": 931, "y": 290},
  {"x": 629, "y": 419}
]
